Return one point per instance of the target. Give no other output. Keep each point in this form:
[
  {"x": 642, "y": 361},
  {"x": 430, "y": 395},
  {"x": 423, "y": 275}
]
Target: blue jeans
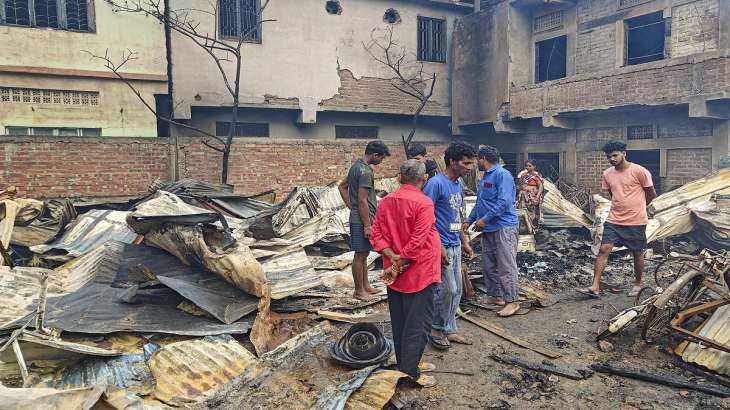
[{"x": 448, "y": 293}]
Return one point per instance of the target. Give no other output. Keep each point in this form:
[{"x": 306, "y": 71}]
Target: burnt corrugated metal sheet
[
  {"x": 186, "y": 372},
  {"x": 49, "y": 399},
  {"x": 164, "y": 207},
  {"x": 128, "y": 372},
  {"x": 714, "y": 182},
  {"x": 335, "y": 397},
  {"x": 558, "y": 212},
  {"x": 290, "y": 272},
  {"x": 716, "y": 328},
  {"x": 91, "y": 230}
]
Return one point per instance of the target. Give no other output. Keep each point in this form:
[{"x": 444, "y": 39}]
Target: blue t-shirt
[{"x": 447, "y": 197}]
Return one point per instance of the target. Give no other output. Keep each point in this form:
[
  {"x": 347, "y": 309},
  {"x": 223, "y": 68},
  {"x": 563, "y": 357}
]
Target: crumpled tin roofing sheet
[
  {"x": 558, "y": 212},
  {"x": 716, "y": 328},
  {"x": 714, "y": 182},
  {"x": 165, "y": 207},
  {"x": 91, "y": 230},
  {"x": 290, "y": 272},
  {"x": 327, "y": 227},
  {"x": 187, "y": 371},
  {"x": 50, "y": 399}
]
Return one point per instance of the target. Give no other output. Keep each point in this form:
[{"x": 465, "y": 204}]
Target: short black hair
[
  {"x": 489, "y": 153},
  {"x": 431, "y": 167},
  {"x": 458, "y": 150},
  {"x": 614, "y": 146},
  {"x": 415, "y": 149},
  {"x": 377, "y": 147}
]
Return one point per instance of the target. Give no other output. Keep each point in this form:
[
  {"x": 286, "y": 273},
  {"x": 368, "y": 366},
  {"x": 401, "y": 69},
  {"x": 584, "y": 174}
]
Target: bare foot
[
  {"x": 371, "y": 290},
  {"x": 457, "y": 338},
  {"x": 509, "y": 309},
  {"x": 493, "y": 300},
  {"x": 426, "y": 381},
  {"x": 364, "y": 296}
]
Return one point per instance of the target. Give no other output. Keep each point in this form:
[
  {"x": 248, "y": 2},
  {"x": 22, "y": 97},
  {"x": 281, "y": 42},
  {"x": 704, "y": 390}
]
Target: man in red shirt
[{"x": 405, "y": 233}]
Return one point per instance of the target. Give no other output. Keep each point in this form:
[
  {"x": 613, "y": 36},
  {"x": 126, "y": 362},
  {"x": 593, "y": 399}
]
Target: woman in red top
[{"x": 530, "y": 192}]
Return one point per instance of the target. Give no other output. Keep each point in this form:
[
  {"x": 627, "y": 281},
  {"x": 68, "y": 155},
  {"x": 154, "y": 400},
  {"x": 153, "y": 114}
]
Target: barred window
[
  {"x": 549, "y": 21},
  {"x": 356, "y": 132},
  {"x": 640, "y": 132},
  {"x": 240, "y": 18},
  {"x": 243, "y": 129},
  {"x": 53, "y": 131},
  {"x": 41, "y": 96},
  {"x": 72, "y": 15},
  {"x": 431, "y": 40}
]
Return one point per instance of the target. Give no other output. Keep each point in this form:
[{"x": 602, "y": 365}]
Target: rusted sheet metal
[
  {"x": 8, "y": 211},
  {"x": 376, "y": 392},
  {"x": 99, "y": 308},
  {"x": 716, "y": 328},
  {"x": 39, "y": 347},
  {"x": 129, "y": 372},
  {"x": 55, "y": 215},
  {"x": 558, "y": 212},
  {"x": 186, "y": 372},
  {"x": 49, "y": 399},
  {"x": 89, "y": 231},
  {"x": 164, "y": 207},
  {"x": 208, "y": 291},
  {"x": 326, "y": 227},
  {"x": 714, "y": 182},
  {"x": 290, "y": 272},
  {"x": 339, "y": 262},
  {"x": 335, "y": 397}
]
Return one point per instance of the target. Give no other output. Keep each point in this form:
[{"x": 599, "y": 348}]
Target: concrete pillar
[{"x": 721, "y": 143}]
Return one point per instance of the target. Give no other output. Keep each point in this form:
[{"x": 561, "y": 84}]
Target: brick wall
[
  {"x": 589, "y": 10},
  {"x": 686, "y": 165},
  {"x": 596, "y": 50},
  {"x": 604, "y": 134},
  {"x": 695, "y": 27},
  {"x": 589, "y": 169},
  {"x": 55, "y": 167},
  {"x": 258, "y": 166},
  {"x": 98, "y": 167},
  {"x": 368, "y": 94},
  {"x": 656, "y": 83}
]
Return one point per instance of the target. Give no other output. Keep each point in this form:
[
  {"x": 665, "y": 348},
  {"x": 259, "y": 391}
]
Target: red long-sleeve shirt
[{"x": 406, "y": 223}]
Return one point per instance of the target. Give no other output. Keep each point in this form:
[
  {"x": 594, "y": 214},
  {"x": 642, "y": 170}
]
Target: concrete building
[
  {"x": 307, "y": 75},
  {"x": 554, "y": 80},
  {"x": 49, "y": 85}
]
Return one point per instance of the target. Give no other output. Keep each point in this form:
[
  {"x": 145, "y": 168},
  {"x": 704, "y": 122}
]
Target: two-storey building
[{"x": 554, "y": 80}]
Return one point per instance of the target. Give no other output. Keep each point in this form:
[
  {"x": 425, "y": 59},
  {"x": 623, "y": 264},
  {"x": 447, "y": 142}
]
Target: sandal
[
  {"x": 589, "y": 292},
  {"x": 456, "y": 338},
  {"x": 426, "y": 381},
  {"x": 425, "y": 367},
  {"x": 439, "y": 342}
]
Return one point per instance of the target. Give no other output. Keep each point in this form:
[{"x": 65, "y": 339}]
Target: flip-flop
[
  {"x": 426, "y": 381},
  {"x": 588, "y": 292},
  {"x": 439, "y": 342},
  {"x": 425, "y": 367}
]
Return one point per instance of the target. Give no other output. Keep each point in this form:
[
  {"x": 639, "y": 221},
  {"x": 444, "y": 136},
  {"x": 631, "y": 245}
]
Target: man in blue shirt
[
  {"x": 495, "y": 216},
  {"x": 445, "y": 191}
]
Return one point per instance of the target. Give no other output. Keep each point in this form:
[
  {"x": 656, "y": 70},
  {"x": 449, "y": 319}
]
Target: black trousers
[{"x": 411, "y": 315}]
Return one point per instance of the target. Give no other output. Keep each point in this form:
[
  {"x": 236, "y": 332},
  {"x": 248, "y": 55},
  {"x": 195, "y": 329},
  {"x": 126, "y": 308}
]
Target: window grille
[
  {"x": 640, "y": 132},
  {"x": 40, "y": 96},
  {"x": 631, "y": 3},
  {"x": 61, "y": 14},
  {"x": 550, "y": 21},
  {"x": 240, "y": 18},
  {"x": 431, "y": 40}
]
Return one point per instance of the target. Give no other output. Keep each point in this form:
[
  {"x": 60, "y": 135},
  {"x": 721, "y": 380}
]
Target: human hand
[
  {"x": 467, "y": 250},
  {"x": 479, "y": 224},
  {"x": 368, "y": 231},
  {"x": 465, "y": 226},
  {"x": 445, "y": 260}
]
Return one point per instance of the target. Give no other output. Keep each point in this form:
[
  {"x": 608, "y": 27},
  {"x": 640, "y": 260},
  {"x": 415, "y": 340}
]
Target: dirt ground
[{"x": 568, "y": 327}]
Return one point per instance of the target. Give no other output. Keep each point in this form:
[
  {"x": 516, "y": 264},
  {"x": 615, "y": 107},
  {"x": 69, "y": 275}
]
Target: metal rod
[
  {"x": 21, "y": 360},
  {"x": 41, "y": 309}
]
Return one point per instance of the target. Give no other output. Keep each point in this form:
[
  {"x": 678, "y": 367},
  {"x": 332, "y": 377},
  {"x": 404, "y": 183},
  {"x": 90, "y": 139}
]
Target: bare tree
[
  {"x": 408, "y": 75},
  {"x": 224, "y": 52}
]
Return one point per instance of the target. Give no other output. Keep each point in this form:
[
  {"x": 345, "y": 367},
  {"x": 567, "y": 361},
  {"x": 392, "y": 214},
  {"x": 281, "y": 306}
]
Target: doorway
[{"x": 650, "y": 160}]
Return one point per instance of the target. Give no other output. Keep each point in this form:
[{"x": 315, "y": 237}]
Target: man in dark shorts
[
  {"x": 358, "y": 192},
  {"x": 631, "y": 189}
]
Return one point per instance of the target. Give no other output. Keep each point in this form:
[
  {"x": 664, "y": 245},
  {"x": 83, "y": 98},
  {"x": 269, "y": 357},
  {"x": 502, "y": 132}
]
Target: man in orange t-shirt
[{"x": 631, "y": 189}]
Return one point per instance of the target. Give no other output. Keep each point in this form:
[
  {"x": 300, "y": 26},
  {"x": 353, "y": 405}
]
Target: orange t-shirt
[{"x": 628, "y": 201}]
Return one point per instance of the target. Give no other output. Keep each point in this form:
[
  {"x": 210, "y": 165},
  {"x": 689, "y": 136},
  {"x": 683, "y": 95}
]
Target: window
[
  {"x": 549, "y": 21},
  {"x": 640, "y": 132},
  {"x": 431, "y": 40},
  {"x": 510, "y": 161},
  {"x": 45, "y": 96},
  {"x": 53, "y": 132},
  {"x": 243, "y": 129},
  {"x": 240, "y": 18},
  {"x": 645, "y": 38},
  {"x": 356, "y": 132},
  {"x": 72, "y": 15},
  {"x": 550, "y": 59}
]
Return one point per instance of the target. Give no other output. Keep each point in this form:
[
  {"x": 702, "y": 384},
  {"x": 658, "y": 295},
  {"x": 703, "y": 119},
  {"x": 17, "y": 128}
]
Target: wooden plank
[{"x": 504, "y": 334}]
